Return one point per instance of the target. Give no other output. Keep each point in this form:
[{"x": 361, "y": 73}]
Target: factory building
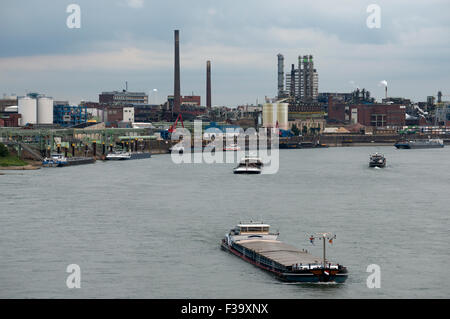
[
  {"x": 123, "y": 97},
  {"x": 302, "y": 83},
  {"x": 66, "y": 115},
  {"x": 9, "y": 117},
  {"x": 443, "y": 114},
  {"x": 378, "y": 115}
]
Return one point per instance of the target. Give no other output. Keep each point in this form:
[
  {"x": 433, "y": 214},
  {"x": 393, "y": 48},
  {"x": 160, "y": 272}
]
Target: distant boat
[
  {"x": 122, "y": 155},
  {"x": 416, "y": 144},
  {"x": 377, "y": 160},
  {"x": 55, "y": 160},
  {"x": 59, "y": 160},
  {"x": 177, "y": 149},
  {"x": 232, "y": 147},
  {"x": 249, "y": 165}
]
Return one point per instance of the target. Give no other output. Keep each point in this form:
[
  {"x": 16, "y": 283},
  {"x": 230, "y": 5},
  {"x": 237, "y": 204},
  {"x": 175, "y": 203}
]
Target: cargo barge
[
  {"x": 416, "y": 144},
  {"x": 254, "y": 243},
  {"x": 59, "y": 160}
]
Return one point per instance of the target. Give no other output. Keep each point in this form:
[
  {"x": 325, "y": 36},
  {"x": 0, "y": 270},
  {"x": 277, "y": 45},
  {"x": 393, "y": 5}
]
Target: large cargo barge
[
  {"x": 430, "y": 143},
  {"x": 254, "y": 243},
  {"x": 59, "y": 160}
]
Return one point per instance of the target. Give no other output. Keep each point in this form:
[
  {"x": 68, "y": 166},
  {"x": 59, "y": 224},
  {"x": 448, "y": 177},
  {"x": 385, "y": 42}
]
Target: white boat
[
  {"x": 55, "y": 160},
  {"x": 117, "y": 156},
  {"x": 177, "y": 149},
  {"x": 249, "y": 165},
  {"x": 232, "y": 147}
]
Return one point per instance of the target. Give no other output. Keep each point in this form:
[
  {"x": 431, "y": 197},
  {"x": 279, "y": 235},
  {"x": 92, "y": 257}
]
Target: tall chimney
[
  {"x": 177, "y": 98},
  {"x": 280, "y": 75},
  {"x": 208, "y": 84},
  {"x": 385, "y": 90}
]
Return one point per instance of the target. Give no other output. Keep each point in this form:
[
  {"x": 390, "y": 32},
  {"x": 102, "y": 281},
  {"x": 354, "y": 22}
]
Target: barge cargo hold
[{"x": 253, "y": 243}]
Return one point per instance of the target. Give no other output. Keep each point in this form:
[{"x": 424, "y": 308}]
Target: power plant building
[
  {"x": 302, "y": 83},
  {"x": 123, "y": 97}
]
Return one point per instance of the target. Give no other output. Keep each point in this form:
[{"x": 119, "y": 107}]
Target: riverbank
[{"x": 12, "y": 162}]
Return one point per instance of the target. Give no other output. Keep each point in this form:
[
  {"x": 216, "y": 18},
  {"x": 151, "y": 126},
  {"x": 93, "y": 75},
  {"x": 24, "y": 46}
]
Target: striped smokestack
[
  {"x": 177, "y": 98},
  {"x": 208, "y": 84}
]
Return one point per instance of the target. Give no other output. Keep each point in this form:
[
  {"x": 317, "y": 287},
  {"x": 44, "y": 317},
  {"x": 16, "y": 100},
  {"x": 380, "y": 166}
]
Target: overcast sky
[{"x": 132, "y": 40}]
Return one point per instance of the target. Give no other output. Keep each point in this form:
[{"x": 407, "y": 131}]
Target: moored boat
[
  {"x": 118, "y": 156},
  {"x": 122, "y": 155},
  {"x": 254, "y": 243},
  {"x": 418, "y": 144},
  {"x": 59, "y": 160},
  {"x": 232, "y": 147},
  {"x": 55, "y": 160}
]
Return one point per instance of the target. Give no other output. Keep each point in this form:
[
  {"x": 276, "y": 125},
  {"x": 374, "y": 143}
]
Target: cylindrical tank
[
  {"x": 28, "y": 109},
  {"x": 45, "y": 110},
  {"x": 268, "y": 116},
  {"x": 282, "y": 115}
]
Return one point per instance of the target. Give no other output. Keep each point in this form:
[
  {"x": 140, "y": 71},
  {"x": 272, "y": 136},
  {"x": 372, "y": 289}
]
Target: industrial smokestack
[
  {"x": 280, "y": 75},
  {"x": 177, "y": 97},
  {"x": 385, "y": 84},
  {"x": 208, "y": 84}
]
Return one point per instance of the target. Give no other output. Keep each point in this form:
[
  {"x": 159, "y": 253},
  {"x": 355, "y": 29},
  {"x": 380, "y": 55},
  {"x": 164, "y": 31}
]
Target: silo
[
  {"x": 45, "y": 110},
  {"x": 28, "y": 109},
  {"x": 282, "y": 115},
  {"x": 268, "y": 116}
]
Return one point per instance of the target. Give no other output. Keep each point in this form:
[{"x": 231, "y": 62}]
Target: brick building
[
  {"x": 123, "y": 97},
  {"x": 378, "y": 115}
]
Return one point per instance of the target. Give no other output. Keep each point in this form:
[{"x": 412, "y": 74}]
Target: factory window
[{"x": 378, "y": 120}]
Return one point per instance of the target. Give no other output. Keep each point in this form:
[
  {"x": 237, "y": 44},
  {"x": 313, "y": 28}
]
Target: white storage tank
[
  {"x": 268, "y": 116},
  {"x": 282, "y": 115},
  {"x": 27, "y": 107},
  {"x": 45, "y": 110}
]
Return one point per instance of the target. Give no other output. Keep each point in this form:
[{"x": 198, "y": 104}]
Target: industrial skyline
[{"x": 40, "y": 54}]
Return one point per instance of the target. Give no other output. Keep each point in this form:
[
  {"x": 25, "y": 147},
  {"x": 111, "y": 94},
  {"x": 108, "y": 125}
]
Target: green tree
[{"x": 3, "y": 150}]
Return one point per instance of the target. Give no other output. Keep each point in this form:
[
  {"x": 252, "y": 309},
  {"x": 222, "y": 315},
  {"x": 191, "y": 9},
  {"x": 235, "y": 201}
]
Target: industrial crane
[{"x": 166, "y": 134}]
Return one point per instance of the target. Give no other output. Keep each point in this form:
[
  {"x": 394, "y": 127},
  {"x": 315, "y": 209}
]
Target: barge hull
[{"x": 302, "y": 276}]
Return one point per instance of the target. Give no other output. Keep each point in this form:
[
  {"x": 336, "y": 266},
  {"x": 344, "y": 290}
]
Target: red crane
[{"x": 173, "y": 128}]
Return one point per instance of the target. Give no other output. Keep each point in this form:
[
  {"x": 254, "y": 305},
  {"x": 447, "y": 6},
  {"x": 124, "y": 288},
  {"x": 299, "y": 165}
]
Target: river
[{"x": 151, "y": 229}]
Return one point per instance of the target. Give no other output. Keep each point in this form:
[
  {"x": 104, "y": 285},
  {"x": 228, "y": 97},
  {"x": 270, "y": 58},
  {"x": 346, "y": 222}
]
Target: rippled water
[{"x": 151, "y": 229}]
